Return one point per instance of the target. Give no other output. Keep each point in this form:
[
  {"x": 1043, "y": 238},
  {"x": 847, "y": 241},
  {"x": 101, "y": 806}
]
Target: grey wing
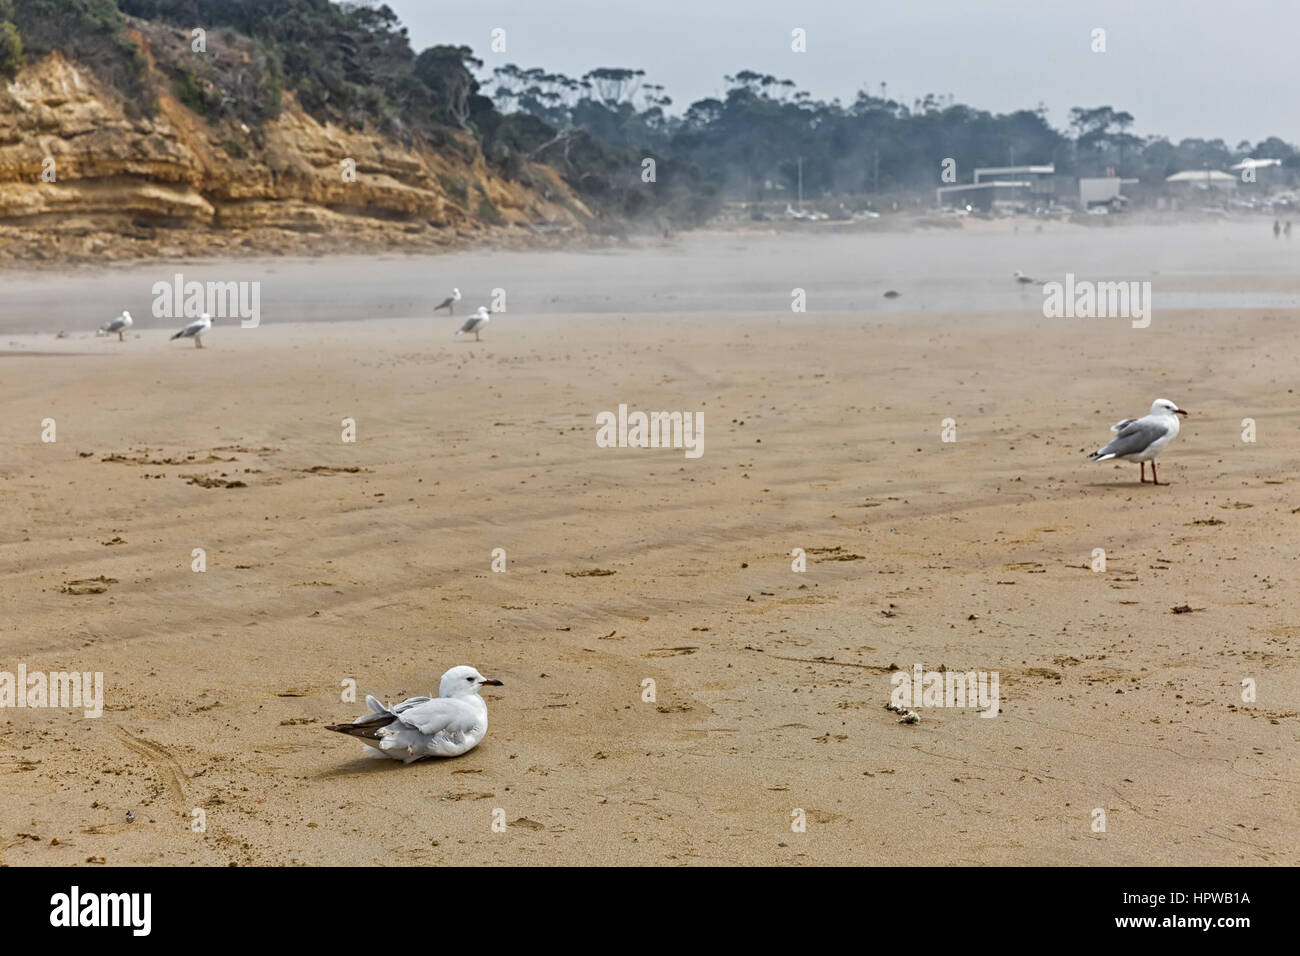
[
  {"x": 1134, "y": 437},
  {"x": 408, "y": 704},
  {"x": 1119, "y": 426},
  {"x": 378, "y": 713},
  {"x": 471, "y": 324},
  {"x": 444, "y": 303},
  {"x": 439, "y": 714},
  {"x": 114, "y": 325},
  {"x": 192, "y": 327}
]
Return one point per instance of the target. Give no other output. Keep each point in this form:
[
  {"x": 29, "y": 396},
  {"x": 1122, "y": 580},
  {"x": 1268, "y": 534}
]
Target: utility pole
[{"x": 800, "y": 164}]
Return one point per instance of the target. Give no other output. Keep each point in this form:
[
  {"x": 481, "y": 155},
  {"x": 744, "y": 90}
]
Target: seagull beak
[
  {"x": 492, "y": 683},
  {"x": 1179, "y": 411}
]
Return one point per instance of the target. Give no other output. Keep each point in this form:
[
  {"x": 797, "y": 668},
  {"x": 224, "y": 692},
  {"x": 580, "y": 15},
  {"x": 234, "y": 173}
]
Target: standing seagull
[
  {"x": 449, "y": 303},
  {"x": 118, "y": 325},
  {"x": 1022, "y": 278},
  {"x": 475, "y": 323},
  {"x": 195, "y": 330},
  {"x": 1141, "y": 439},
  {"x": 444, "y": 726}
]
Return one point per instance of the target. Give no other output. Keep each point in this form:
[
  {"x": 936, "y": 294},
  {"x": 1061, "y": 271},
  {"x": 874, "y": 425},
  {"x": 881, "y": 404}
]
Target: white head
[
  {"x": 206, "y": 318},
  {"x": 455, "y": 294},
  {"x": 463, "y": 681},
  {"x": 482, "y": 313},
  {"x": 126, "y": 317},
  {"x": 1163, "y": 406}
]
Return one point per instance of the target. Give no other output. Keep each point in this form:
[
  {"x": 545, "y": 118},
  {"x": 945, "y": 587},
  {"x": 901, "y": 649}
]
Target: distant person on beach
[
  {"x": 1286, "y": 230},
  {"x": 1277, "y": 228}
]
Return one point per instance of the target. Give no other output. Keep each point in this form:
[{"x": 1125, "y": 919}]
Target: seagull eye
[{"x": 469, "y": 678}]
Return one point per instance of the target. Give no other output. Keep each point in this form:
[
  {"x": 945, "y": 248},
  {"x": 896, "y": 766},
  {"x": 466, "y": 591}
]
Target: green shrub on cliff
[
  {"x": 11, "y": 49},
  {"x": 347, "y": 63},
  {"x": 91, "y": 33}
]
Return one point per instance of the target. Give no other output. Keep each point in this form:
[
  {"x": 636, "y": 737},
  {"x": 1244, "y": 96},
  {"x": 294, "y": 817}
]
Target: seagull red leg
[
  {"x": 1143, "y": 464},
  {"x": 1154, "y": 476}
]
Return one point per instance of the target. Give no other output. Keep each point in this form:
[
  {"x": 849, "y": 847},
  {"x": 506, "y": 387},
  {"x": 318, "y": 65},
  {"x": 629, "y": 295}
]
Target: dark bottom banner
[{"x": 1227, "y": 906}]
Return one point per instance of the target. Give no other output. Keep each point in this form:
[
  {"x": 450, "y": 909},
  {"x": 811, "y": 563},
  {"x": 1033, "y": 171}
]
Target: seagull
[
  {"x": 444, "y": 726},
  {"x": 195, "y": 329},
  {"x": 449, "y": 303},
  {"x": 1141, "y": 439},
  {"x": 475, "y": 323},
  {"x": 118, "y": 325},
  {"x": 1022, "y": 278}
]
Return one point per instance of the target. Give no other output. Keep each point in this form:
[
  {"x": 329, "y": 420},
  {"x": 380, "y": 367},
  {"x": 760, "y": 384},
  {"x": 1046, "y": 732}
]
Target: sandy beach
[{"x": 329, "y": 561}]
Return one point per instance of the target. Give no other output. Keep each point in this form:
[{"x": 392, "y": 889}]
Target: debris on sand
[
  {"x": 203, "y": 481},
  {"x": 908, "y": 716},
  {"x": 87, "y": 585}
]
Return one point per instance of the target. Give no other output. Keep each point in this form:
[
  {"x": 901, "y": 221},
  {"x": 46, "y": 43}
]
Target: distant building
[
  {"x": 995, "y": 186},
  {"x": 1041, "y": 179},
  {"x": 985, "y": 196},
  {"x": 1266, "y": 171},
  {"x": 1201, "y": 179},
  {"x": 1103, "y": 190}
]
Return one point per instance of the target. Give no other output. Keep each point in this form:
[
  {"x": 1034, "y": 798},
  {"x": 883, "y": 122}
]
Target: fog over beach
[{"x": 1230, "y": 264}]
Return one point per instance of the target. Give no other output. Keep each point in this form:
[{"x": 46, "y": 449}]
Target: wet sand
[{"x": 371, "y": 561}]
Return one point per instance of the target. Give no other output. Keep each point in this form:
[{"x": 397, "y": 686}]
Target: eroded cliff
[{"x": 84, "y": 176}]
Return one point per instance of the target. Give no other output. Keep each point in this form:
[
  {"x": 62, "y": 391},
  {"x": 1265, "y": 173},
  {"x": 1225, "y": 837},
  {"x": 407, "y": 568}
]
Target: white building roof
[
  {"x": 1014, "y": 171},
  {"x": 1256, "y": 163},
  {"x": 1200, "y": 176}
]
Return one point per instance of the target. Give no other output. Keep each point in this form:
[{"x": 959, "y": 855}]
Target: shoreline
[{"x": 303, "y": 246}]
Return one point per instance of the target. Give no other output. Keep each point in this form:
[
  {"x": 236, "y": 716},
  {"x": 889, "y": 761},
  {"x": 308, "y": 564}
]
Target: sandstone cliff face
[{"x": 172, "y": 184}]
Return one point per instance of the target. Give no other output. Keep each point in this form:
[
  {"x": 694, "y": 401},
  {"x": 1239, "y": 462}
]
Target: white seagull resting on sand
[
  {"x": 475, "y": 323},
  {"x": 1022, "y": 278},
  {"x": 1141, "y": 439},
  {"x": 444, "y": 726},
  {"x": 195, "y": 329},
  {"x": 118, "y": 325},
  {"x": 449, "y": 303}
]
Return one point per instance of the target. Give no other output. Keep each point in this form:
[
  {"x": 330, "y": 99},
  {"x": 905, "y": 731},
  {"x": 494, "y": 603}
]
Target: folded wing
[
  {"x": 1135, "y": 436},
  {"x": 437, "y": 715}
]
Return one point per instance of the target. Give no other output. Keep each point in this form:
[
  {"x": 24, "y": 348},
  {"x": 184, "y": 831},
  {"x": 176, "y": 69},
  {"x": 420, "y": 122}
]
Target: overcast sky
[{"x": 1206, "y": 68}]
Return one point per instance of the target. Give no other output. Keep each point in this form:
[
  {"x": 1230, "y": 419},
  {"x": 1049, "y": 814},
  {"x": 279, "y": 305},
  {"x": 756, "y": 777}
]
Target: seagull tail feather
[
  {"x": 366, "y": 728},
  {"x": 368, "y": 734}
]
